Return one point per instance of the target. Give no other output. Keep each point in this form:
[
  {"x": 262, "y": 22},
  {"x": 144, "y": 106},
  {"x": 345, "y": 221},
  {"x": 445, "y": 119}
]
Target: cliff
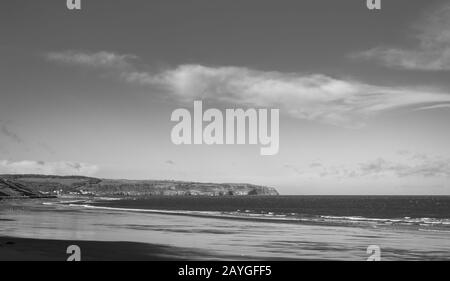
[{"x": 56, "y": 185}]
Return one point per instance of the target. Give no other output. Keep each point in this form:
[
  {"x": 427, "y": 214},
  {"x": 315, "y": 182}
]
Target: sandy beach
[{"x": 35, "y": 230}]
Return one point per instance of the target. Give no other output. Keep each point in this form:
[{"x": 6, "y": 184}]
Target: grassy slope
[{"x": 66, "y": 184}]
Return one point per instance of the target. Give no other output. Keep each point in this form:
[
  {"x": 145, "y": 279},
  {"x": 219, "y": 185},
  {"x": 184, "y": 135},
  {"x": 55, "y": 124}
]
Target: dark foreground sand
[{"x": 28, "y": 249}]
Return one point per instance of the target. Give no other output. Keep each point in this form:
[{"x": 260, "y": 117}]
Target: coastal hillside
[
  {"x": 58, "y": 185},
  {"x": 13, "y": 189}
]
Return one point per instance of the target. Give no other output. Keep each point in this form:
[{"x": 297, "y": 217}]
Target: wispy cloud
[
  {"x": 432, "y": 52},
  {"x": 49, "y": 168},
  {"x": 342, "y": 102},
  {"x": 170, "y": 162},
  {"x": 410, "y": 165},
  {"x": 101, "y": 59},
  {"x": 10, "y": 134},
  {"x": 430, "y": 167},
  {"x": 437, "y": 106}
]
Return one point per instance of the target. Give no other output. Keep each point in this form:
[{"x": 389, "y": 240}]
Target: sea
[{"x": 248, "y": 227}]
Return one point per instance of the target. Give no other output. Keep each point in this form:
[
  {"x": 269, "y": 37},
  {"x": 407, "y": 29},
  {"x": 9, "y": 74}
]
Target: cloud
[
  {"x": 408, "y": 165},
  {"x": 432, "y": 52},
  {"x": 170, "y": 162},
  {"x": 426, "y": 167},
  {"x": 48, "y": 168},
  {"x": 437, "y": 106},
  {"x": 317, "y": 97},
  {"x": 10, "y": 134},
  {"x": 304, "y": 96},
  {"x": 101, "y": 59}
]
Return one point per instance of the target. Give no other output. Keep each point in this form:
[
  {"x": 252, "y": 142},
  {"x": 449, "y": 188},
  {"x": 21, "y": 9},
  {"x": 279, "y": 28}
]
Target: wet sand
[{"x": 26, "y": 249}]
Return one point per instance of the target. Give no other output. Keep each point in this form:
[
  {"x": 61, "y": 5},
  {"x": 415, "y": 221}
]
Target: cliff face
[{"x": 53, "y": 185}]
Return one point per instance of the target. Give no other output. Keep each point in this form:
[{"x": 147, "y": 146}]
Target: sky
[{"x": 364, "y": 95}]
